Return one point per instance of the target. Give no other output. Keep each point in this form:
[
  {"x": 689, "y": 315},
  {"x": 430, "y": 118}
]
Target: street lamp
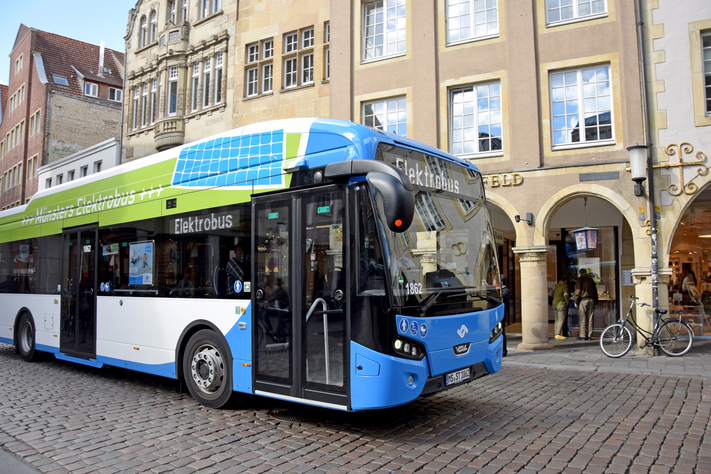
[{"x": 638, "y": 167}]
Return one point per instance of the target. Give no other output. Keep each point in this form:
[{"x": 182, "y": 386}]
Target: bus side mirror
[{"x": 398, "y": 202}]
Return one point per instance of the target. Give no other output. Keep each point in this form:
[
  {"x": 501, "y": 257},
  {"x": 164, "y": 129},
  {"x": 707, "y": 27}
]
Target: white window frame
[
  {"x": 252, "y": 82},
  {"x": 143, "y": 32},
  {"x": 384, "y": 110},
  {"x": 206, "y": 74},
  {"x": 267, "y": 49},
  {"x": 473, "y": 110},
  {"x": 327, "y": 70},
  {"x": 91, "y": 89},
  {"x": 97, "y": 167},
  {"x": 60, "y": 178},
  {"x": 204, "y": 9},
  {"x": 154, "y": 27},
  {"x": 154, "y": 106},
  {"x": 469, "y": 20},
  {"x": 267, "y": 78},
  {"x": 195, "y": 87},
  {"x": 571, "y": 105},
  {"x": 83, "y": 171},
  {"x": 144, "y": 104},
  {"x": 218, "y": 78},
  {"x": 173, "y": 10},
  {"x": 184, "y": 11},
  {"x": 172, "y": 90},
  {"x": 327, "y": 34},
  {"x": 252, "y": 53},
  {"x": 307, "y": 68},
  {"x": 136, "y": 93},
  {"x": 307, "y": 38},
  {"x": 117, "y": 93},
  {"x": 377, "y": 46},
  {"x": 574, "y": 8},
  {"x": 290, "y": 72},
  {"x": 427, "y": 211},
  {"x": 706, "y": 69},
  {"x": 291, "y": 42},
  {"x": 70, "y": 176}
]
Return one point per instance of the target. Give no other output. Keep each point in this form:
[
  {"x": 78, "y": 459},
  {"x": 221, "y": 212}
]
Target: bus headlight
[
  {"x": 408, "y": 348},
  {"x": 496, "y": 332}
]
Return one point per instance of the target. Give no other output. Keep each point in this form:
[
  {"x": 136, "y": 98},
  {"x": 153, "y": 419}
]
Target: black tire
[
  {"x": 616, "y": 340},
  {"x": 675, "y": 338},
  {"x": 207, "y": 369},
  {"x": 26, "y": 339}
]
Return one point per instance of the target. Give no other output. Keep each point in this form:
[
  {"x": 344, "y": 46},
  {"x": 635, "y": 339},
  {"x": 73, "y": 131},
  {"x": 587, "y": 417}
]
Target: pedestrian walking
[
  {"x": 561, "y": 300},
  {"x": 586, "y": 302}
]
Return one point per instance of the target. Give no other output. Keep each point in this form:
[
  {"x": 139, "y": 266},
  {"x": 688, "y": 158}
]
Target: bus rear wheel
[
  {"x": 207, "y": 370},
  {"x": 26, "y": 339}
]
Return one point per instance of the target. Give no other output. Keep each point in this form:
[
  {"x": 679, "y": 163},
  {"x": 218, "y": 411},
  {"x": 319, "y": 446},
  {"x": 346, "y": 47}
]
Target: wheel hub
[
  {"x": 207, "y": 369},
  {"x": 26, "y": 336}
]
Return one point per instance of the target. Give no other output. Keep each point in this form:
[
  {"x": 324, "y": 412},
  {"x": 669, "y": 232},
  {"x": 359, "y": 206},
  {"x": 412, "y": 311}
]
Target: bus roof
[{"x": 244, "y": 160}]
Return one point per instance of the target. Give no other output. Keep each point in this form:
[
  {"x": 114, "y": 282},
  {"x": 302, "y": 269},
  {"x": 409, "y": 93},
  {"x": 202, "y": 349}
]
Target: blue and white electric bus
[{"x": 310, "y": 260}]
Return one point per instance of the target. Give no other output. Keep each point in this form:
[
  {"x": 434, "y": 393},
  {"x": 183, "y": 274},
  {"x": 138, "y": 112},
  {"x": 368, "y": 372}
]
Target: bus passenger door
[
  {"x": 78, "y": 325},
  {"x": 299, "y": 296}
]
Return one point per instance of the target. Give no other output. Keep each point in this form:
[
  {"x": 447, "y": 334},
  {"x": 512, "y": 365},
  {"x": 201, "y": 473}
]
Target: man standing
[{"x": 586, "y": 302}]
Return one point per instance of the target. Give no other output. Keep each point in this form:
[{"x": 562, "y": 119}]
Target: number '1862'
[{"x": 413, "y": 288}]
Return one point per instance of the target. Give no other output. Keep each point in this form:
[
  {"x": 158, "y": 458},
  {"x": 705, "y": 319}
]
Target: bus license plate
[{"x": 458, "y": 376}]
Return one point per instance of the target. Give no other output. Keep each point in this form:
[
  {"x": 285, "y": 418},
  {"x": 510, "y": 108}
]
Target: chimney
[{"x": 101, "y": 60}]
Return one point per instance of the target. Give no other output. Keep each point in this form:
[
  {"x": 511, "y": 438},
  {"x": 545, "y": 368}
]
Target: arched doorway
[
  {"x": 505, "y": 235},
  {"x": 690, "y": 264}
]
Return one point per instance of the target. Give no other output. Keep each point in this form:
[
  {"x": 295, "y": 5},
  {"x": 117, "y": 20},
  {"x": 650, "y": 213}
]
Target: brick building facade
[{"x": 64, "y": 95}]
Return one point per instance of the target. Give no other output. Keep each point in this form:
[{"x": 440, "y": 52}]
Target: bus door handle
[{"x": 322, "y": 302}]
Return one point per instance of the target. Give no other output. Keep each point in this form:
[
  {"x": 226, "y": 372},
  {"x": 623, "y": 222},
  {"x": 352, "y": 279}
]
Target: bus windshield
[{"x": 445, "y": 263}]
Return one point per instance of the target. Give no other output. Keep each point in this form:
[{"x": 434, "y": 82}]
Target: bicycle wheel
[
  {"x": 616, "y": 340},
  {"x": 675, "y": 338}
]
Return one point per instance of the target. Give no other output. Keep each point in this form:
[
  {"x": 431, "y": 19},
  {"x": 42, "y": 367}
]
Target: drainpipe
[{"x": 650, "y": 169}]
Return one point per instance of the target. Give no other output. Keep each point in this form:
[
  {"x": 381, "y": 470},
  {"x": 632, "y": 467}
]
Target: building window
[
  {"x": 82, "y": 171},
  {"x": 253, "y": 53},
  {"x": 267, "y": 78},
  {"x": 143, "y": 33},
  {"x": 196, "y": 84},
  {"x": 475, "y": 119},
  {"x": 291, "y": 43},
  {"x": 154, "y": 25},
  {"x": 428, "y": 212},
  {"x": 307, "y": 69},
  {"x": 381, "y": 37},
  {"x": 184, "y": 11},
  {"x": 307, "y": 38},
  {"x": 581, "y": 98},
  {"x": 60, "y": 178},
  {"x": 70, "y": 176},
  {"x": 252, "y": 81},
  {"x": 91, "y": 89},
  {"x": 470, "y": 19},
  {"x": 18, "y": 64},
  {"x": 97, "y": 167},
  {"x": 290, "y": 73},
  {"x": 208, "y": 7},
  {"x": 218, "y": 78},
  {"x": 389, "y": 115},
  {"x": 173, "y": 36},
  {"x": 327, "y": 32},
  {"x": 154, "y": 106},
  {"x": 569, "y": 10},
  {"x": 172, "y": 90},
  {"x": 48, "y": 183},
  {"x": 144, "y": 104},
  {"x": 115, "y": 94},
  {"x": 32, "y": 168},
  {"x": 35, "y": 123},
  {"x": 327, "y": 51},
  {"x": 267, "y": 49},
  {"x": 206, "y": 83},
  {"x": 136, "y": 93},
  {"x": 60, "y": 80},
  {"x": 706, "y": 45},
  {"x": 172, "y": 7}
]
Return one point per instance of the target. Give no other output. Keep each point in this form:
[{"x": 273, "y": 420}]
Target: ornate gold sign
[{"x": 684, "y": 148}]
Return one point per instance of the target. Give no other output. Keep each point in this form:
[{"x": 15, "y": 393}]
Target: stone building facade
[{"x": 64, "y": 96}]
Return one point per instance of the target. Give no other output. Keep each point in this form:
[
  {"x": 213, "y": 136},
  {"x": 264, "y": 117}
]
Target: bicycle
[{"x": 673, "y": 336}]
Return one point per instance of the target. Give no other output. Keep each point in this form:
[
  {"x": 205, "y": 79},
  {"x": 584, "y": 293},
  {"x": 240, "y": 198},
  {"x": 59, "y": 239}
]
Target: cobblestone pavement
[{"x": 60, "y": 417}]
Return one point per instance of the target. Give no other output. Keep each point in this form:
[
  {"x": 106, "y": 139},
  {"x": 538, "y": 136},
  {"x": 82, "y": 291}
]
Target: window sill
[
  {"x": 382, "y": 58},
  {"x": 206, "y": 111},
  {"x": 297, "y": 88},
  {"x": 472, "y": 40},
  {"x": 258, "y": 96},
  {"x": 479, "y": 156},
  {"x": 576, "y": 20},
  {"x": 207, "y": 18},
  {"x": 146, "y": 47},
  {"x": 583, "y": 145}
]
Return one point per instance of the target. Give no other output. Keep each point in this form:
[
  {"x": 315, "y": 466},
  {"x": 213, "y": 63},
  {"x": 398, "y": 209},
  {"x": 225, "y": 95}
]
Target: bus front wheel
[
  {"x": 206, "y": 369},
  {"x": 26, "y": 338}
]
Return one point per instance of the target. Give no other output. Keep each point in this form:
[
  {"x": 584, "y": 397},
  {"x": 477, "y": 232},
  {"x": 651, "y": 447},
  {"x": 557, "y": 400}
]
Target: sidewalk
[{"x": 572, "y": 354}]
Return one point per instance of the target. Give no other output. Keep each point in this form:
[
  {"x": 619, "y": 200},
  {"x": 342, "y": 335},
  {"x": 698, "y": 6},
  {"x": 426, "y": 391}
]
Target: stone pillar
[
  {"x": 534, "y": 298},
  {"x": 643, "y": 290}
]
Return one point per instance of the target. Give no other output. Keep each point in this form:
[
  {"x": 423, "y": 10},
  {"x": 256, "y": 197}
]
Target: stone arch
[
  {"x": 677, "y": 208},
  {"x": 564, "y": 195},
  {"x": 511, "y": 211}
]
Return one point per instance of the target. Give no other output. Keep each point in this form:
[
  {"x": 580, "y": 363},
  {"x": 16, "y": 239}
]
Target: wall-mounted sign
[{"x": 506, "y": 179}]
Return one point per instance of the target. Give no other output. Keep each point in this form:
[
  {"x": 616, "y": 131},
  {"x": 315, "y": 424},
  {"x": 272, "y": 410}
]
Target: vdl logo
[{"x": 462, "y": 330}]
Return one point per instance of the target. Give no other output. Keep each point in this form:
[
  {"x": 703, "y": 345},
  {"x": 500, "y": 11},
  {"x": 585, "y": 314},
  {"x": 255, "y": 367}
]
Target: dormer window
[
  {"x": 91, "y": 89},
  {"x": 60, "y": 80}
]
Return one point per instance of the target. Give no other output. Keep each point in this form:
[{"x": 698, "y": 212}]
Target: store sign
[{"x": 506, "y": 179}]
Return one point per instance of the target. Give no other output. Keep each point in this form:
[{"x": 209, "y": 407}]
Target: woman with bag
[{"x": 561, "y": 300}]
